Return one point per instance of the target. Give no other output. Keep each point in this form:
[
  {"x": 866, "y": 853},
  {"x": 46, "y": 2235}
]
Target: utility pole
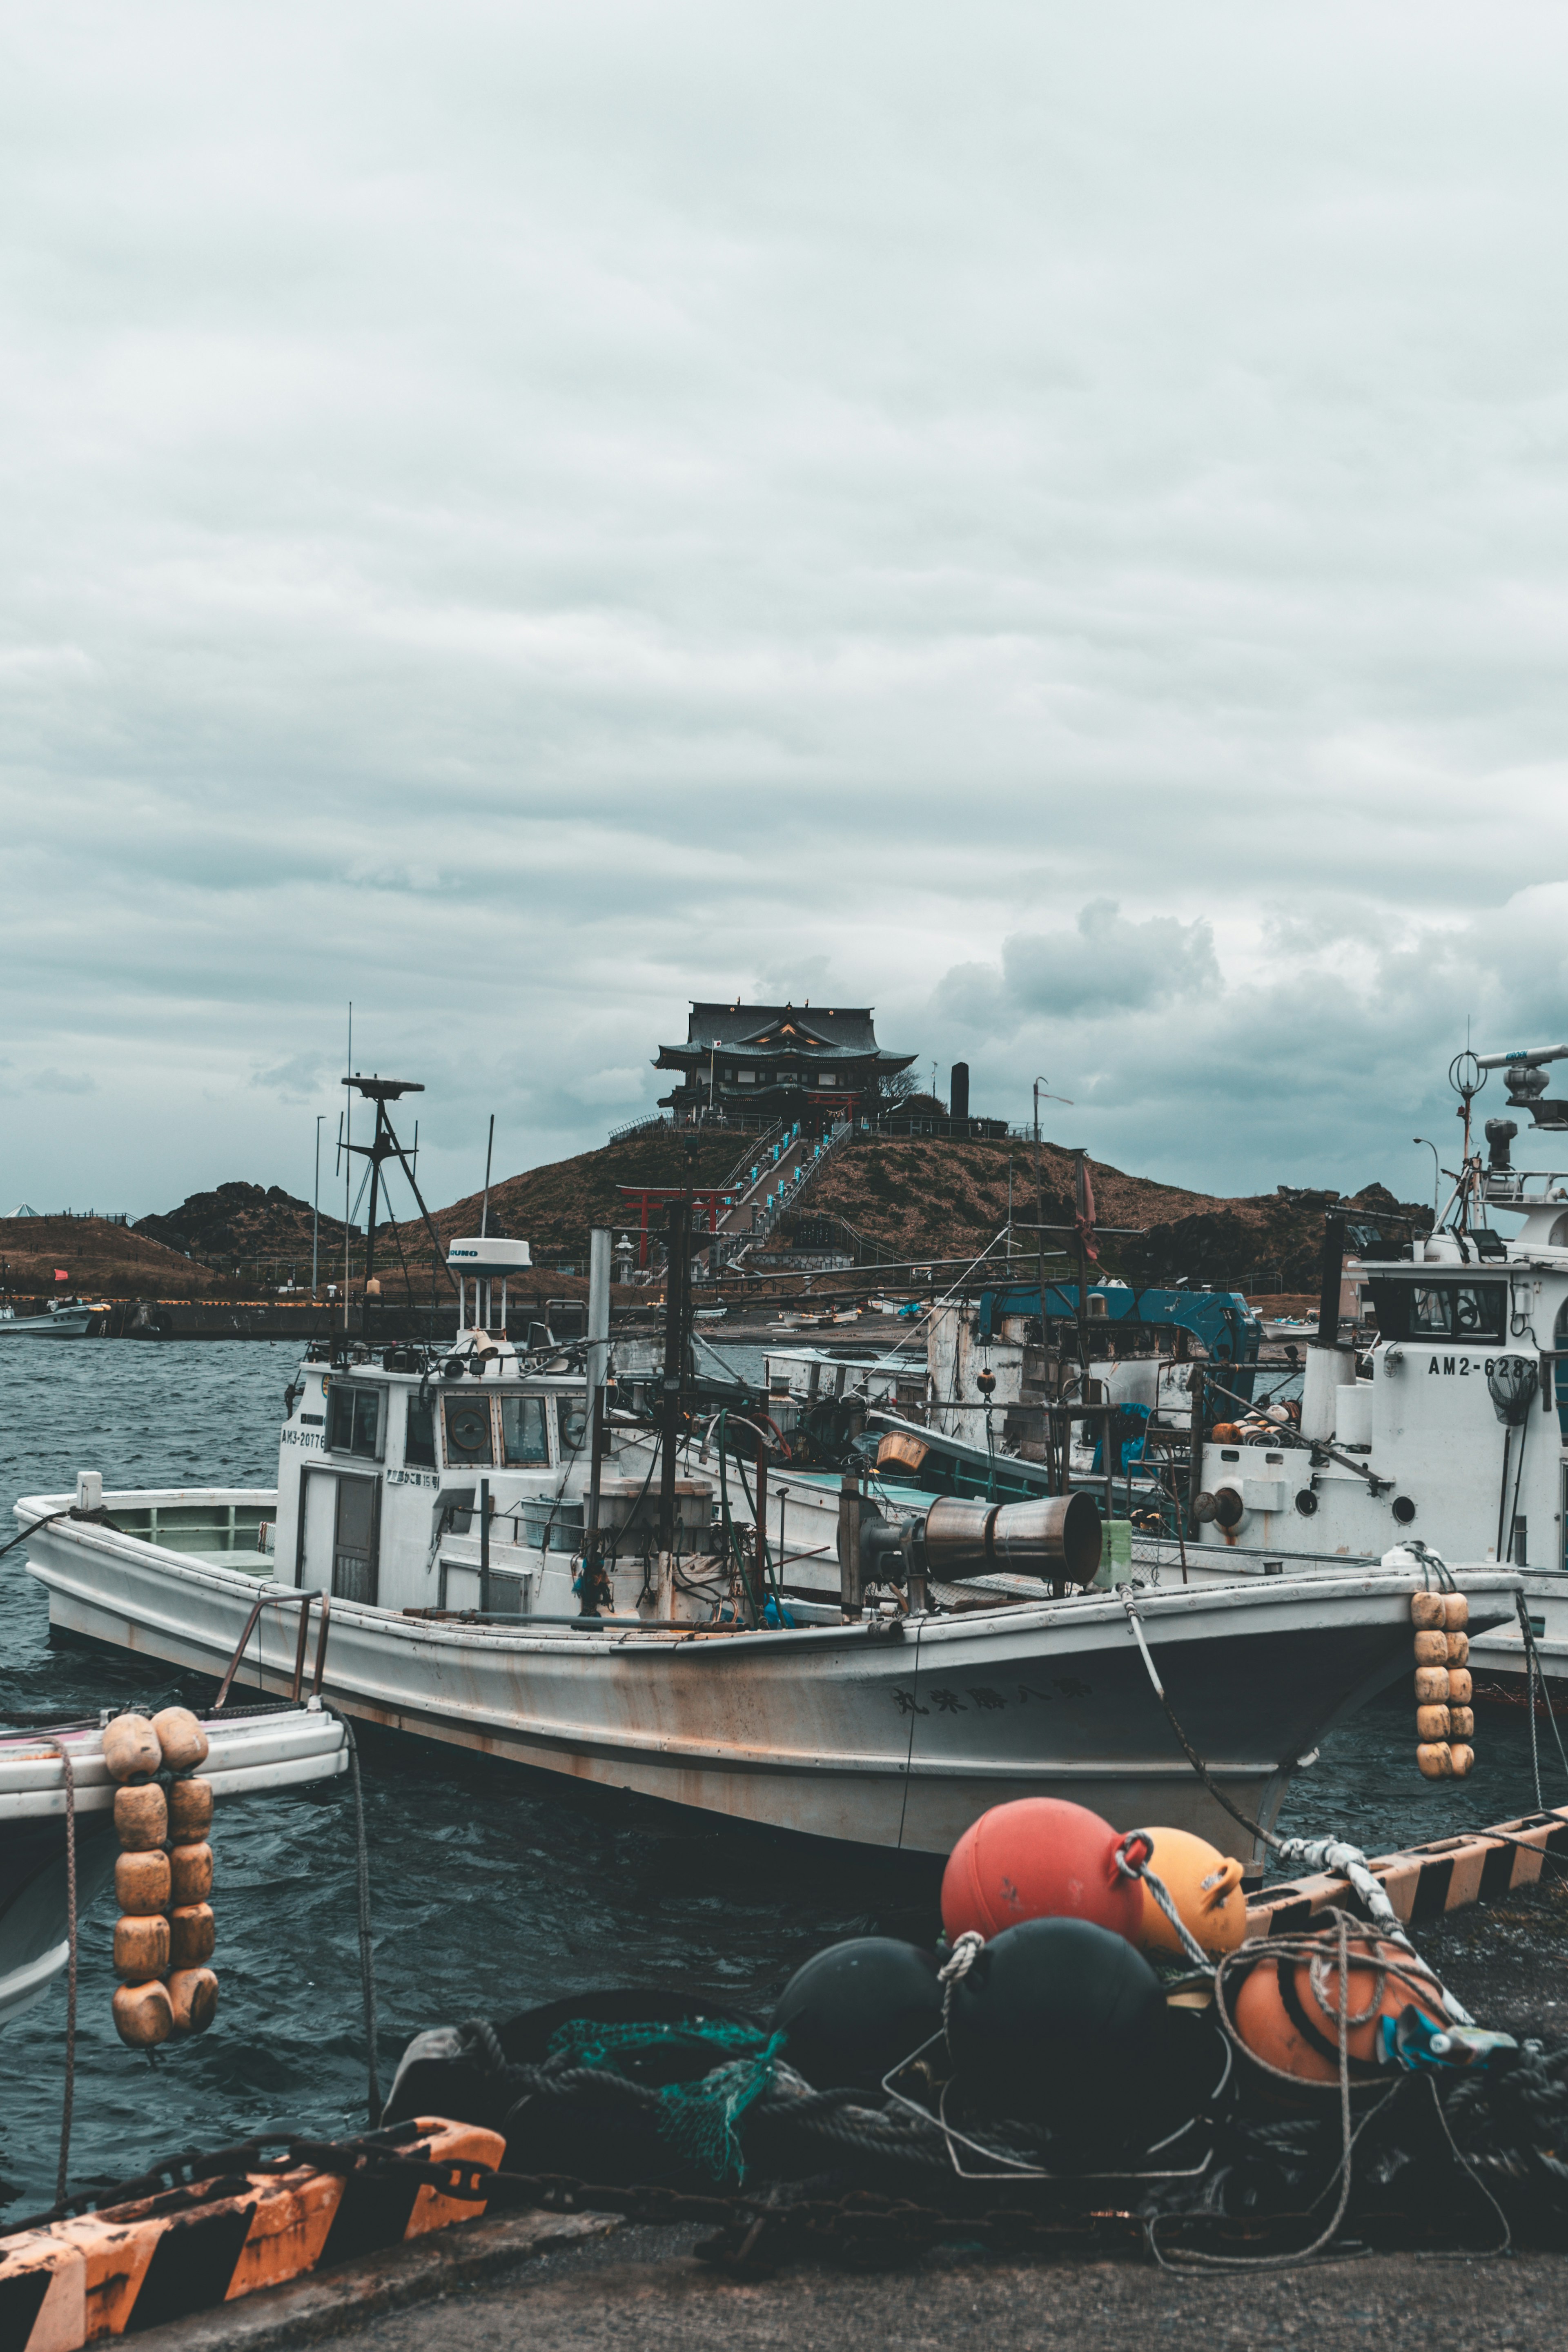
[{"x": 678, "y": 1252}]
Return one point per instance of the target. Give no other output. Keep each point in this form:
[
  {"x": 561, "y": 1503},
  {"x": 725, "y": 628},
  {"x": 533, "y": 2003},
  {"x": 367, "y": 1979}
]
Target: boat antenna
[{"x": 485, "y": 1205}]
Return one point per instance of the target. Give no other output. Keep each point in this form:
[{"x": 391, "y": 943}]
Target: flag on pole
[{"x": 60, "y": 1274}]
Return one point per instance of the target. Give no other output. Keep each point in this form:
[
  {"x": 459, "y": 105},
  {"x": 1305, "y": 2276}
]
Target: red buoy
[{"x": 1039, "y": 1858}]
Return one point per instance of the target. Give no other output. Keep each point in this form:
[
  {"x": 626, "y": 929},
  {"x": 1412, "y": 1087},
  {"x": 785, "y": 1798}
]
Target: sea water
[{"x": 492, "y": 1887}]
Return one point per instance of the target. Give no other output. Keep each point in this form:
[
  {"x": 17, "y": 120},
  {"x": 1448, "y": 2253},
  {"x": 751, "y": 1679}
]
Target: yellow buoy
[
  {"x": 190, "y": 1936},
  {"x": 1206, "y": 1887},
  {"x": 181, "y": 1740},
  {"x": 131, "y": 1750},
  {"x": 141, "y": 1945},
  {"x": 193, "y": 1998},
  {"x": 191, "y": 1867},
  {"x": 142, "y": 1881},
  {"x": 141, "y": 1816},
  {"x": 142, "y": 2014}
]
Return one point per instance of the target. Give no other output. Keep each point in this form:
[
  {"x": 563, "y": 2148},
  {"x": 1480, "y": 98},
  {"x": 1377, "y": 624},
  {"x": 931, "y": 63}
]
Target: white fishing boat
[
  {"x": 250, "y": 1751},
  {"x": 63, "y": 1318}
]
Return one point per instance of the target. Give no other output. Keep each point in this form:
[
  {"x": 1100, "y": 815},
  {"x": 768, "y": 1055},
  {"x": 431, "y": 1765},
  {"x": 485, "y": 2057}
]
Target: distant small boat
[{"x": 64, "y": 1319}]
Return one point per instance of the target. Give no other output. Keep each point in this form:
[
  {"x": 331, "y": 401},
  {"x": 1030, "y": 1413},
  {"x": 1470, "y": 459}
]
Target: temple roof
[{"x": 758, "y": 1024}]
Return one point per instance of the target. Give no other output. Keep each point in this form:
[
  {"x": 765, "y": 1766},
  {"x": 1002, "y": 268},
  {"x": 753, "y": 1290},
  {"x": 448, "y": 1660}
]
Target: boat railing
[{"x": 282, "y": 1600}]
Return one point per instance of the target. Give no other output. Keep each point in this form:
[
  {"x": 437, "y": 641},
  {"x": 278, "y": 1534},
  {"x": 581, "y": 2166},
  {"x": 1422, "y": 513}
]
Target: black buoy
[
  {"x": 1061, "y": 2023},
  {"x": 854, "y": 2012}
]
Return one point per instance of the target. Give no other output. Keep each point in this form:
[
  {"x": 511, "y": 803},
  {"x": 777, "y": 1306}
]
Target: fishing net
[{"x": 699, "y": 2114}]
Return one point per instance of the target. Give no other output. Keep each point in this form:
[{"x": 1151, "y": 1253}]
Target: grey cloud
[{"x": 63, "y": 1082}]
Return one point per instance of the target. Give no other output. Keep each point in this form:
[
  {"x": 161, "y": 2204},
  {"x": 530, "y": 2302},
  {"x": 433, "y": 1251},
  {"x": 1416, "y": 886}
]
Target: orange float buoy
[
  {"x": 1461, "y": 1722},
  {"x": 190, "y": 1811},
  {"x": 1458, "y": 1649},
  {"x": 1435, "y": 1760},
  {"x": 140, "y": 1817},
  {"x": 181, "y": 1740},
  {"x": 141, "y": 1946},
  {"x": 1426, "y": 1611},
  {"x": 192, "y": 1999},
  {"x": 142, "y": 2014},
  {"x": 1286, "y": 2013},
  {"x": 1432, "y": 1649},
  {"x": 142, "y": 1881},
  {"x": 1460, "y": 1688},
  {"x": 190, "y": 1936},
  {"x": 1433, "y": 1686},
  {"x": 1455, "y": 1611},
  {"x": 191, "y": 1871},
  {"x": 131, "y": 1750},
  {"x": 1461, "y": 1760},
  {"x": 1206, "y": 1887},
  {"x": 1039, "y": 1858}
]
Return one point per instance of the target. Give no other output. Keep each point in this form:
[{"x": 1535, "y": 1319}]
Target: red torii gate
[{"x": 650, "y": 1195}]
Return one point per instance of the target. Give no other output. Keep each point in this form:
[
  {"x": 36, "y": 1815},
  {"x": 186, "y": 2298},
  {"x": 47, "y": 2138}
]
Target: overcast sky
[{"x": 1052, "y": 522}]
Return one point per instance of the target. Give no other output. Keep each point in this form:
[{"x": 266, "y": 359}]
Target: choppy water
[{"x": 492, "y": 1887}]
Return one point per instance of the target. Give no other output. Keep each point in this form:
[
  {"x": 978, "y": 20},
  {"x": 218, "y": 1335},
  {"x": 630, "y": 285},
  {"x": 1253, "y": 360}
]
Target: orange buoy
[
  {"x": 1435, "y": 1722},
  {"x": 1462, "y": 1723},
  {"x": 1458, "y": 1649},
  {"x": 1455, "y": 1611},
  {"x": 1287, "y": 2012},
  {"x": 1206, "y": 1887},
  {"x": 181, "y": 1740},
  {"x": 142, "y": 1881},
  {"x": 141, "y": 1945},
  {"x": 191, "y": 1867},
  {"x": 1431, "y": 1649},
  {"x": 1460, "y": 1688},
  {"x": 141, "y": 1816},
  {"x": 142, "y": 2014},
  {"x": 190, "y": 1810},
  {"x": 1461, "y": 1760},
  {"x": 192, "y": 1999},
  {"x": 190, "y": 1936},
  {"x": 1039, "y": 1858},
  {"x": 131, "y": 1750},
  {"x": 1426, "y": 1611},
  {"x": 1435, "y": 1760}
]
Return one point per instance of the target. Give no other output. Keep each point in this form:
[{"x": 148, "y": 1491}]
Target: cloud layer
[{"x": 1049, "y": 523}]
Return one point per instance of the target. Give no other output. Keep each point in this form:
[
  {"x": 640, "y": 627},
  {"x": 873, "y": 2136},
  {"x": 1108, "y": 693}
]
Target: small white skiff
[{"x": 248, "y": 1753}]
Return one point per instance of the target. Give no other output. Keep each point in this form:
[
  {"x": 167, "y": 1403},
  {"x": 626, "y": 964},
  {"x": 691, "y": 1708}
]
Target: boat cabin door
[{"x": 340, "y": 1534}]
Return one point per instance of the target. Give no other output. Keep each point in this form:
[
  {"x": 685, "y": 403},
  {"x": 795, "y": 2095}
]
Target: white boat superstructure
[
  {"x": 1448, "y": 1426},
  {"x": 63, "y": 1318}
]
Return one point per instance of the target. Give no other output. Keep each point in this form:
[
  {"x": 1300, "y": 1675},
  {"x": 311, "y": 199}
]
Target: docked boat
[
  {"x": 506, "y": 1571},
  {"x": 263, "y": 1750},
  {"x": 63, "y": 1318},
  {"x": 1438, "y": 1420}
]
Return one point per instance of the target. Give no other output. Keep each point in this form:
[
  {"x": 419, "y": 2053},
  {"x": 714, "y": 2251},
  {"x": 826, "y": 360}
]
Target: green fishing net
[{"x": 698, "y": 2117}]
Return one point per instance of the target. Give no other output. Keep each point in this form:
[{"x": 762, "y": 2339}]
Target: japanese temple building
[{"x": 773, "y": 1061}]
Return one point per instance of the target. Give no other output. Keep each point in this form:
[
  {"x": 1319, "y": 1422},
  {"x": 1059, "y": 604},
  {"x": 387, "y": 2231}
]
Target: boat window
[
  {"x": 419, "y": 1436},
  {"x": 1441, "y": 1310},
  {"x": 523, "y": 1431},
  {"x": 354, "y": 1420},
  {"x": 467, "y": 1419}
]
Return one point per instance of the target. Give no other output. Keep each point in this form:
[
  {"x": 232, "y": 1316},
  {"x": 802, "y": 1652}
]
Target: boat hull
[{"x": 895, "y": 1736}]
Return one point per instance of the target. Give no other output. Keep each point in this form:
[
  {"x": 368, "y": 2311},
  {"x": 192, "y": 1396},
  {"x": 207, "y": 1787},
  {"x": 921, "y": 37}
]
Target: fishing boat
[
  {"x": 262, "y": 1749},
  {"x": 63, "y": 1318}
]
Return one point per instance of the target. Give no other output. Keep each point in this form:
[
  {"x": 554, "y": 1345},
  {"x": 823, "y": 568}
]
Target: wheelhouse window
[
  {"x": 355, "y": 1421},
  {"x": 1455, "y": 1312},
  {"x": 466, "y": 1419},
  {"x": 419, "y": 1436},
  {"x": 525, "y": 1439}
]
